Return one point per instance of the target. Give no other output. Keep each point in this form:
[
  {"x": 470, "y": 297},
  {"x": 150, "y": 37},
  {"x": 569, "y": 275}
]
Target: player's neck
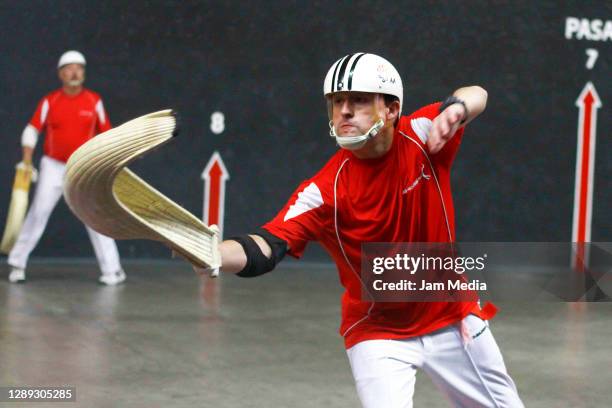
[
  {"x": 378, "y": 146},
  {"x": 72, "y": 90}
]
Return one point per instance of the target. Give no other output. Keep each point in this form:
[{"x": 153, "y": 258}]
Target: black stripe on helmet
[
  {"x": 333, "y": 82},
  {"x": 339, "y": 83},
  {"x": 350, "y": 76}
]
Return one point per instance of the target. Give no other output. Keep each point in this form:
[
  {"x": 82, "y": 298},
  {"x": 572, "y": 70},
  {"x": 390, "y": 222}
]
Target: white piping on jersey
[
  {"x": 308, "y": 199},
  {"x": 43, "y": 112},
  {"x": 100, "y": 110},
  {"x": 450, "y": 236},
  {"x": 344, "y": 253}
]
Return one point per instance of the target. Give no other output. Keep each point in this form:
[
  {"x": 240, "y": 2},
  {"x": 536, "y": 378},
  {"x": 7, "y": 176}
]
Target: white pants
[
  {"x": 470, "y": 375},
  {"x": 49, "y": 190}
]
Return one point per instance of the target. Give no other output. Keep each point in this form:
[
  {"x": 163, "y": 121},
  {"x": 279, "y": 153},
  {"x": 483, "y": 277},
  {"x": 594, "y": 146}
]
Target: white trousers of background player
[
  {"x": 49, "y": 190},
  {"x": 470, "y": 375}
]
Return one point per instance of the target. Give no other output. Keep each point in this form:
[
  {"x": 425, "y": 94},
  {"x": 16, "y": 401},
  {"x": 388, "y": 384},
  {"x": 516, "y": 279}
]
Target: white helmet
[
  {"x": 362, "y": 72},
  {"x": 71, "y": 57}
]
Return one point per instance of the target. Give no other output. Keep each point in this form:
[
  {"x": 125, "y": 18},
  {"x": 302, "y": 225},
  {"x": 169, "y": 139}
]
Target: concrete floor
[{"x": 168, "y": 339}]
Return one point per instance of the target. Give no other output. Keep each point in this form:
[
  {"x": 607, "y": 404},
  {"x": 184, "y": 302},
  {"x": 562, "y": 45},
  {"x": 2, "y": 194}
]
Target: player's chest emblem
[
  {"x": 86, "y": 113},
  {"x": 421, "y": 177}
]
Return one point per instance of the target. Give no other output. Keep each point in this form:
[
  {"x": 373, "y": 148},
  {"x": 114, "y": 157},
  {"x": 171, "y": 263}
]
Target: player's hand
[
  {"x": 212, "y": 272},
  {"x": 444, "y": 126},
  {"x": 215, "y": 262},
  {"x": 202, "y": 272},
  {"x": 28, "y": 166}
]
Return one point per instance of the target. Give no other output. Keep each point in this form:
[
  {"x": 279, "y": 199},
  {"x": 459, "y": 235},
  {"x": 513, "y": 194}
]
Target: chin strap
[{"x": 355, "y": 142}]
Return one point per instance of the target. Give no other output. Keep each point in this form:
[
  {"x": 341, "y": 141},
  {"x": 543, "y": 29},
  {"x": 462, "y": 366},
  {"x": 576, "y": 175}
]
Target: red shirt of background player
[{"x": 69, "y": 121}]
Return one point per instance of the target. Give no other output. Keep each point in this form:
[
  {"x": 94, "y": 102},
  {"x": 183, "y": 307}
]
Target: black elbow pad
[{"x": 257, "y": 263}]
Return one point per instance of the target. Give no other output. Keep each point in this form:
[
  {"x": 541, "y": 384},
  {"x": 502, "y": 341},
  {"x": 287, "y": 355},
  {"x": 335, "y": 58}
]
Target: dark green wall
[{"x": 262, "y": 64}]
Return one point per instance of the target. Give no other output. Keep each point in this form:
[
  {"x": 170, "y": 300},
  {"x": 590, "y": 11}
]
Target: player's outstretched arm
[
  {"x": 457, "y": 110},
  {"x": 233, "y": 255},
  {"x": 250, "y": 255}
]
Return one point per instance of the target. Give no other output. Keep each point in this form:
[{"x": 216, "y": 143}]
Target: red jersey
[
  {"x": 404, "y": 196},
  {"x": 69, "y": 121}
]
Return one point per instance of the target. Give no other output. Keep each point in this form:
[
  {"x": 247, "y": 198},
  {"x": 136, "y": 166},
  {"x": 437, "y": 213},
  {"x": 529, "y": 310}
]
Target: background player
[{"x": 69, "y": 116}]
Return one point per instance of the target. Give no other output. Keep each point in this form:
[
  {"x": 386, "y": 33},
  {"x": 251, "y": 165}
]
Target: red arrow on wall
[
  {"x": 588, "y": 102},
  {"x": 215, "y": 175}
]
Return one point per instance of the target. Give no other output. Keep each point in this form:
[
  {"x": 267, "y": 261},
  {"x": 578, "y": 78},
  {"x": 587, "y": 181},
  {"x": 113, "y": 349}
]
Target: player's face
[
  {"x": 354, "y": 113},
  {"x": 72, "y": 74}
]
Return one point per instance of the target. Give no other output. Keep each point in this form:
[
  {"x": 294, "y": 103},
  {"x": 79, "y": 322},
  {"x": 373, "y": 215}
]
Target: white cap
[{"x": 71, "y": 57}]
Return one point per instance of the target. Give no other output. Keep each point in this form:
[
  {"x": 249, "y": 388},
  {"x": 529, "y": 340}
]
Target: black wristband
[{"x": 451, "y": 100}]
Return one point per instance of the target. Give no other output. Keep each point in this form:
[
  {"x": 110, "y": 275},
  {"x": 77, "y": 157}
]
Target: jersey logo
[
  {"x": 422, "y": 127},
  {"x": 86, "y": 113},
  {"x": 418, "y": 179},
  {"x": 308, "y": 199}
]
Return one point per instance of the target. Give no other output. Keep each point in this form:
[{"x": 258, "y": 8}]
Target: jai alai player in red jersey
[
  {"x": 389, "y": 182},
  {"x": 69, "y": 116}
]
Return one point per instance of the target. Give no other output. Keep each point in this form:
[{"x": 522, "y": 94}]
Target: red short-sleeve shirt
[
  {"x": 404, "y": 196},
  {"x": 69, "y": 121}
]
